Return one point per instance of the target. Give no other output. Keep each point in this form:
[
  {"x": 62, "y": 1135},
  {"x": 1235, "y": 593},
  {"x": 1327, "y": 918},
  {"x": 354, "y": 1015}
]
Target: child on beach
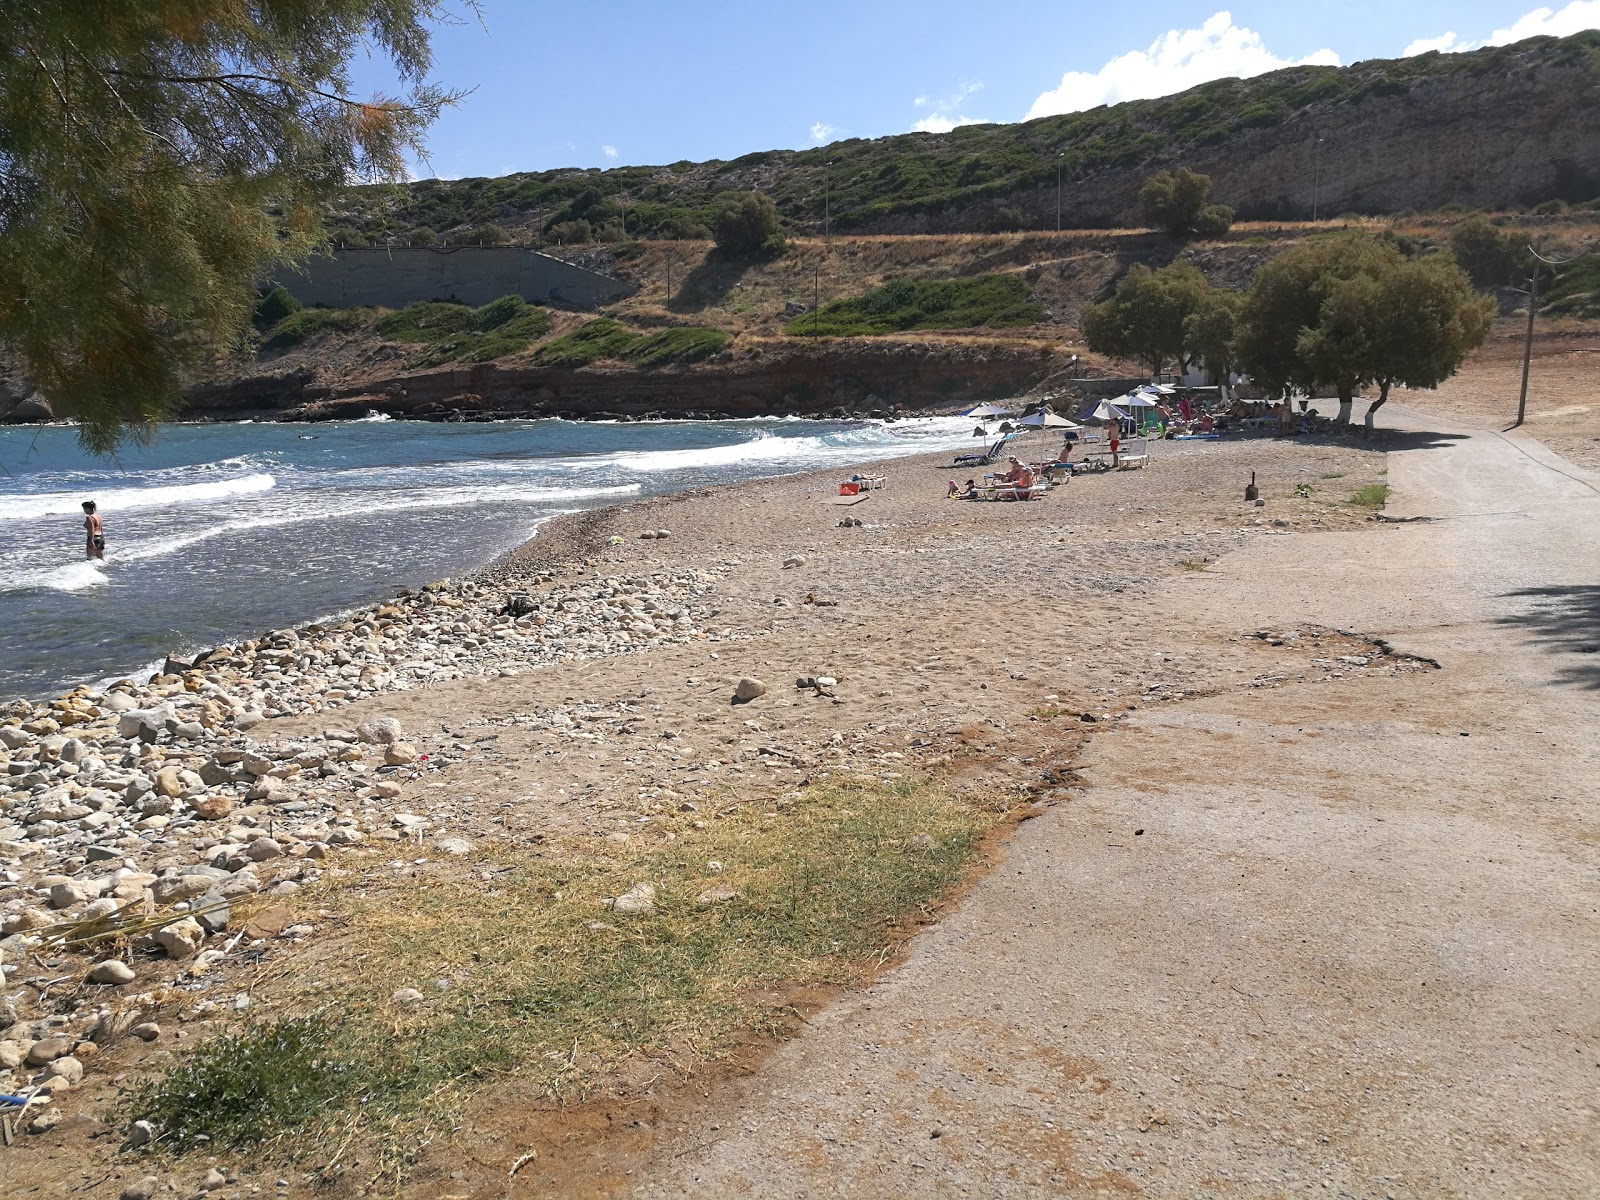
[{"x": 94, "y": 533}]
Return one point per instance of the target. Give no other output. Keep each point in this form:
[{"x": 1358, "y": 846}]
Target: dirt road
[{"x": 1335, "y": 938}]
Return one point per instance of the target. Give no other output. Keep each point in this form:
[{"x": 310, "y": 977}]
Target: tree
[
  {"x": 156, "y": 159},
  {"x": 1176, "y": 201},
  {"x": 1348, "y": 312},
  {"x": 749, "y": 225},
  {"x": 1287, "y": 298},
  {"x": 1489, "y": 257},
  {"x": 1208, "y": 331},
  {"x": 1144, "y": 319},
  {"x": 1428, "y": 319}
]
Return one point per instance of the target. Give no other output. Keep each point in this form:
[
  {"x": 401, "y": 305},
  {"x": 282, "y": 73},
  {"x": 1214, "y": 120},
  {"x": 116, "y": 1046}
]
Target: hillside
[{"x": 1496, "y": 128}]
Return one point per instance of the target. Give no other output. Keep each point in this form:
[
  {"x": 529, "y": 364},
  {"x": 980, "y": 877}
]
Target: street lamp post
[{"x": 1059, "y": 157}]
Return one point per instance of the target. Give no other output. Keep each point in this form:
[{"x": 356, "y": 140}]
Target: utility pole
[
  {"x": 1533, "y": 308},
  {"x": 1061, "y": 155},
  {"x": 1316, "y": 176},
  {"x": 669, "y": 280}
]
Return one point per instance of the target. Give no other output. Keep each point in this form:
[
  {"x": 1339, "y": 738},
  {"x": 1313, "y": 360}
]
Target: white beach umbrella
[
  {"x": 1136, "y": 400},
  {"x": 986, "y": 411},
  {"x": 1045, "y": 419},
  {"x": 1107, "y": 411}
]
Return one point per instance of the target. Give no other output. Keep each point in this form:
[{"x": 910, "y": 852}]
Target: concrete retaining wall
[{"x": 395, "y": 277}]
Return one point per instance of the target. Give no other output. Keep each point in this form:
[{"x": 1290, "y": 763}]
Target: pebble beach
[{"x": 602, "y": 681}]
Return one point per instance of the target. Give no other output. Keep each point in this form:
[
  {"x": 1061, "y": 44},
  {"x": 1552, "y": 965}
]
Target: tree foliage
[
  {"x": 1344, "y": 313},
  {"x": 155, "y": 158},
  {"x": 1145, "y": 319},
  {"x": 749, "y": 225},
  {"x": 1490, "y": 258},
  {"x": 1177, "y": 201}
]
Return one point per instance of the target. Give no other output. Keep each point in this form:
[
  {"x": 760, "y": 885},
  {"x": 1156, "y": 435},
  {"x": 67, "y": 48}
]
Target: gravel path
[{"x": 1333, "y": 938}]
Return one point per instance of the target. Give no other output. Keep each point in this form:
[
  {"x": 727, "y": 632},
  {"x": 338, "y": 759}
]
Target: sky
[{"x": 641, "y": 82}]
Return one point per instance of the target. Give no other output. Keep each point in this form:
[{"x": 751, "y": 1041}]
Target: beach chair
[
  {"x": 1134, "y": 453},
  {"x": 988, "y": 456}
]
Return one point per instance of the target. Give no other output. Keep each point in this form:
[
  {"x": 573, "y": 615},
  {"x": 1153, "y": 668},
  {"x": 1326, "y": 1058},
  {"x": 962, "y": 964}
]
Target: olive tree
[
  {"x": 1345, "y": 313},
  {"x": 156, "y": 159},
  {"x": 748, "y": 225},
  {"x": 1177, "y": 202},
  {"x": 1144, "y": 318}
]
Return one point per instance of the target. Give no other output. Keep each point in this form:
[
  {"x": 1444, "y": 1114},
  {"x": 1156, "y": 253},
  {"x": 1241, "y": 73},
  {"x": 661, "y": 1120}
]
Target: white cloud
[
  {"x": 939, "y": 123},
  {"x": 1180, "y": 59},
  {"x": 945, "y": 113},
  {"x": 609, "y": 151},
  {"x": 1541, "y": 22},
  {"x": 822, "y": 132}
]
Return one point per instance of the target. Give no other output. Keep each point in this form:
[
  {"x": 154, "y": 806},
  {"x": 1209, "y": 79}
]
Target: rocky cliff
[{"x": 846, "y": 377}]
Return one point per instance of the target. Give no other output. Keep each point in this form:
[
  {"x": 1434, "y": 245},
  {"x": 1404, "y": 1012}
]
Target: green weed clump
[
  {"x": 685, "y": 345},
  {"x": 988, "y": 301},
  {"x": 1374, "y": 495},
  {"x": 544, "y": 985}
]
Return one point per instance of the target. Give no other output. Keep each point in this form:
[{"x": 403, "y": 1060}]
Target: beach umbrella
[
  {"x": 1107, "y": 411},
  {"x": 1045, "y": 419},
  {"x": 1136, "y": 400},
  {"x": 987, "y": 410}
]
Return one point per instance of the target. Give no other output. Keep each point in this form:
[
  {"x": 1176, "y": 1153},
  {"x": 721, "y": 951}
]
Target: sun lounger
[{"x": 988, "y": 456}]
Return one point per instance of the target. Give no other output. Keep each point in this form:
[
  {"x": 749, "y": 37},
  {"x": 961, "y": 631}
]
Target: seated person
[
  {"x": 970, "y": 493},
  {"x": 1019, "y": 476},
  {"x": 1205, "y": 424}
]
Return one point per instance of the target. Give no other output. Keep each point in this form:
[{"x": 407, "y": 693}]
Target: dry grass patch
[{"x": 525, "y": 973}]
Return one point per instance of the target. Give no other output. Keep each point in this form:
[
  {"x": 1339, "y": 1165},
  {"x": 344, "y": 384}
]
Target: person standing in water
[{"x": 94, "y": 533}]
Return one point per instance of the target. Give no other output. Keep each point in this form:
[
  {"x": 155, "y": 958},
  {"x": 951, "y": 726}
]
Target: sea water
[{"x": 221, "y": 532}]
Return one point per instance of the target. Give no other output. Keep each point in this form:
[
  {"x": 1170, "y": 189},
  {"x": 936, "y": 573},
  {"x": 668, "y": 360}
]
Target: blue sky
[{"x": 634, "y": 82}]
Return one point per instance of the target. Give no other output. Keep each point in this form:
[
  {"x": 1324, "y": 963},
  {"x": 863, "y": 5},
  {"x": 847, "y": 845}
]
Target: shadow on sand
[{"x": 1563, "y": 620}]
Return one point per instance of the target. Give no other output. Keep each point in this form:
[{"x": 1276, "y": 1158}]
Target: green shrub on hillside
[
  {"x": 1576, "y": 291},
  {"x": 274, "y": 306},
  {"x": 458, "y": 333},
  {"x": 676, "y": 346},
  {"x": 605, "y": 338},
  {"x": 298, "y": 326},
  {"x": 1489, "y": 257},
  {"x": 989, "y": 301},
  {"x": 749, "y": 225}
]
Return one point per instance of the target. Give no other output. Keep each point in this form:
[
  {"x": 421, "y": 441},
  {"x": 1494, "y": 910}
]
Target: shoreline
[{"x": 596, "y": 704}]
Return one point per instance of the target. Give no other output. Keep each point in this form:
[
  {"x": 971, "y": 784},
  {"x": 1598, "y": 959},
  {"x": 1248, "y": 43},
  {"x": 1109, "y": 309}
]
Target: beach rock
[
  {"x": 382, "y": 731},
  {"x": 47, "y": 1050},
  {"x": 146, "y": 1189},
  {"x": 717, "y": 895},
  {"x": 248, "y": 719},
  {"x": 181, "y": 939},
  {"x": 146, "y": 724},
  {"x": 211, "y": 807},
  {"x": 637, "y": 901},
  {"x": 215, "y": 1180},
  {"x": 262, "y": 849},
  {"x": 12, "y": 1055},
  {"x": 65, "y": 895},
  {"x": 399, "y": 754},
  {"x": 142, "y": 1133},
  {"x": 46, "y": 1121},
  {"x": 749, "y": 689},
  {"x": 255, "y": 765},
  {"x": 67, "y": 1068},
  {"x": 453, "y": 845},
  {"x": 171, "y": 889},
  {"x": 793, "y": 561},
  {"x": 13, "y": 738},
  {"x": 146, "y": 1031},
  {"x": 118, "y": 702},
  {"x": 112, "y": 971},
  {"x": 168, "y": 782},
  {"x": 269, "y": 790},
  {"x": 407, "y": 996},
  {"x": 212, "y": 911}
]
